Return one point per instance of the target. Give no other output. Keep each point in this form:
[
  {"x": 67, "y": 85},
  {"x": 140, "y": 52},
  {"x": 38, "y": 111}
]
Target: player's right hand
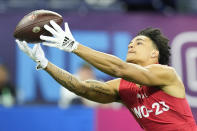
[
  {"x": 36, "y": 53},
  {"x": 62, "y": 40}
]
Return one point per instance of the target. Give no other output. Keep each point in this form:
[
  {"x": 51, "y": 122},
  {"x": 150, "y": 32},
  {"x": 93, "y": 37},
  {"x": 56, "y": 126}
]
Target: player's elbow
[
  {"x": 119, "y": 71},
  {"x": 116, "y": 72}
]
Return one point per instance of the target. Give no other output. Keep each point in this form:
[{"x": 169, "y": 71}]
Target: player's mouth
[{"x": 131, "y": 51}]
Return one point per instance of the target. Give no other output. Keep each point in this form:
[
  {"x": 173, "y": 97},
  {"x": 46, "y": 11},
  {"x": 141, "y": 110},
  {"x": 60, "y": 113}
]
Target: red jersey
[{"x": 155, "y": 110}]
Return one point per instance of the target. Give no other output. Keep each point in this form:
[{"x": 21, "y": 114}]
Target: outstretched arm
[
  {"x": 153, "y": 75},
  {"x": 91, "y": 89},
  {"x": 107, "y": 63}
]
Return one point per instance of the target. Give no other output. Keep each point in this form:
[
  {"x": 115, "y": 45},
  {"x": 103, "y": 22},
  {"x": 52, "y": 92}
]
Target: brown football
[{"x": 31, "y": 26}]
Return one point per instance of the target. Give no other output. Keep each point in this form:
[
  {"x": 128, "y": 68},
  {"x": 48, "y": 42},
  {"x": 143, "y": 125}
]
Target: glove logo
[
  {"x": 66, "y": 41},
  {"x": 71, "y": 44}
]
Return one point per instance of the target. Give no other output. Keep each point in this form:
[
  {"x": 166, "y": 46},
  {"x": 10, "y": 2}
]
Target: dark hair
[{"x": 160, "y": 41}]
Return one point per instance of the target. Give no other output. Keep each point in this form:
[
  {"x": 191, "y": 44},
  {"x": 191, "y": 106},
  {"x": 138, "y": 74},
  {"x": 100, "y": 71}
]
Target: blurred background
[{"x": 31, "y": 100}]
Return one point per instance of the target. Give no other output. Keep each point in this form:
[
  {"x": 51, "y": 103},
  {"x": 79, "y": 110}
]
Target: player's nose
[{"x": 130, "y": 46}]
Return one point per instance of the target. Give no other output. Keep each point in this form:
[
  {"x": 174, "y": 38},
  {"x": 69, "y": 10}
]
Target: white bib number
[{"x": 142, "y": 111}]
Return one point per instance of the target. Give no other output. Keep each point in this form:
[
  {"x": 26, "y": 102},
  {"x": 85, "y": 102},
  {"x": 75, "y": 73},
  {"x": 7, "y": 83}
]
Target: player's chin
[{"x": 130, "y": 59}]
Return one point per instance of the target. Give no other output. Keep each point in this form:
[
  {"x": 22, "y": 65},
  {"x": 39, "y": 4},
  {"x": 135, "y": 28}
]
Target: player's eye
[{"x": 139, "y": 43}]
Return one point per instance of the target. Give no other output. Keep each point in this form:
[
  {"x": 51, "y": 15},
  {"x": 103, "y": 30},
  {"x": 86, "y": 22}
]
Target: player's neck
[{"x": 146, "y": 63}]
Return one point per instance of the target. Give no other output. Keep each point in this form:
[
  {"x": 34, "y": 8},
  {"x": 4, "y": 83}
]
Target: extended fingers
[
  {"x": 56, "y": 26},
  {"x": 19, "y": 43},
  {"x": 38, "y": 51},
  {"x": 49, "y": 44},
  {"x": 23, "y": 45},
  {"x": 48, "y": 38},
  {"x": 66, "y": 27},
  {"x": 26, "y": 47},
  {"x": 51, "y": 30},
  {"x": 35, "y": 48},
  {"x": 67, "y": 30}
]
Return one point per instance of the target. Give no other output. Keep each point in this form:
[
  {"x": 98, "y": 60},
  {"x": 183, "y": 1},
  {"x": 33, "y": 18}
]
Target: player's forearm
[
  {"x": 91, "y": 89},
  {"x": 100, "y": 92},
  {"x": 105, "y": 62},
  {"x": 65, "y": 78}
]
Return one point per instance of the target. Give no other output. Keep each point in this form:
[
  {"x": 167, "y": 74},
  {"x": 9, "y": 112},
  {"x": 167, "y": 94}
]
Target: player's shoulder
[
  {"x": 164, "y": 72},
  {"x": 161, "y": 67}
]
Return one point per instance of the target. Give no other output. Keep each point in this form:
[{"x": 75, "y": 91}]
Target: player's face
[{"x": 140, "y": 49}]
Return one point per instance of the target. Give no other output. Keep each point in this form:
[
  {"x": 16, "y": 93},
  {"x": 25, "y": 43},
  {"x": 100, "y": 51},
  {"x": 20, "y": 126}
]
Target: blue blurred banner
[
  {"x": 47, "y": 118},
  {"x": 110, "y": 33}
]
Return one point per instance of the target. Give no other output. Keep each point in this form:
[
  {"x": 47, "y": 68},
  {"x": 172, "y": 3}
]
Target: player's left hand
[
  {"x": 36, "y": 53},
  {"x": 60, "y": 39}
]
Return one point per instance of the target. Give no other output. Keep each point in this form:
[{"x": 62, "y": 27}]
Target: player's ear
[{"x": 155, "y": 53}]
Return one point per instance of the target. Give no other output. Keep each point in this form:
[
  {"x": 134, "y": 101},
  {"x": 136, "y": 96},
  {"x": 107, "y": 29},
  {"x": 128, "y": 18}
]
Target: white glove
[
  {"x": 61, "y": 39},
  {"x": 36, "y": 54}
]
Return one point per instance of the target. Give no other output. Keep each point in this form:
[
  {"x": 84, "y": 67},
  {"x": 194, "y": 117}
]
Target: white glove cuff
[
  {"x": 42, "y": 64},
  {"x": 75, "y": 45}
]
